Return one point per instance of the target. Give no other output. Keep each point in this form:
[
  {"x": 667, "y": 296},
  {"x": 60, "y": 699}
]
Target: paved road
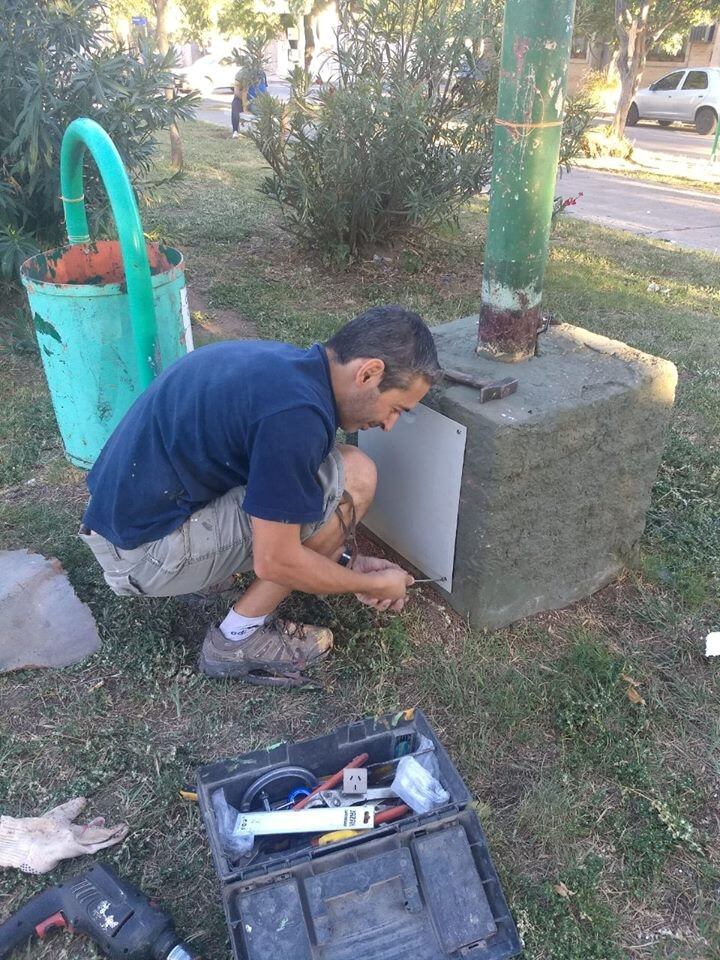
[
  {"x": 216, "y": 109},
  {"x": 680, "y": 215},
  {"x": 674, "y": 141},
  {"x": 686, "y": 217}
]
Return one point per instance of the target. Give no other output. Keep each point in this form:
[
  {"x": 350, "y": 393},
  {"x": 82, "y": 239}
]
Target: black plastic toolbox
[{"x": 420, "y": 888}]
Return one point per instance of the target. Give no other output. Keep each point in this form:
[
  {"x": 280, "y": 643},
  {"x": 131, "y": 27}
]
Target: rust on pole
[{"x": 528, "y": 126}]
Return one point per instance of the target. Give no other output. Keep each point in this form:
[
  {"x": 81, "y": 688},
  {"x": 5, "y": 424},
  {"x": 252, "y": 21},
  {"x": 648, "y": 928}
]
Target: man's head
[{"x": 382, "y": 363}]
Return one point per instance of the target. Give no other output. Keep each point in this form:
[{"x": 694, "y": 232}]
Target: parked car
[
  {"x": 208, "y": 73},
  {"x": 691, "y": 95}
]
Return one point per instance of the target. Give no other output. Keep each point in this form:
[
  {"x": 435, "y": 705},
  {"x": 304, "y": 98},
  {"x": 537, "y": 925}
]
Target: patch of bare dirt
[
  {"x": 210, "y": 323},
  {"x": 449, "y": 268},
  {"x": 72, "y": 494}
]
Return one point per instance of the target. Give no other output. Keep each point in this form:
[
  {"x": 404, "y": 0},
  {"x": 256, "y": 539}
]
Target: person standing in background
[{"x": 238, "y": 103}]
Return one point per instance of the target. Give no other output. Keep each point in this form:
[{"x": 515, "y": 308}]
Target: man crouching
[{"x": 228, "y": 463}]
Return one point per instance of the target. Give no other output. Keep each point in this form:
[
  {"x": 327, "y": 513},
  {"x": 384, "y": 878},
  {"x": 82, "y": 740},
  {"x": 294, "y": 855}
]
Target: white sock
[{"x": 236, "y": 627}]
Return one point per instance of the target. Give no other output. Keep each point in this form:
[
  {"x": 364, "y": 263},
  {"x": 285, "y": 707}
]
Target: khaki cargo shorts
[{"x": 212, "y": 544}]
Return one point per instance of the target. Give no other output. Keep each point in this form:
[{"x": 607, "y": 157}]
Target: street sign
[{"x": 139, "y": 21}]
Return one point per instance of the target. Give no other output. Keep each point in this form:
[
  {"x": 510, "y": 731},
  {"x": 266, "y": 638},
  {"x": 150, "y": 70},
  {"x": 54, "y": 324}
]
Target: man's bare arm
[{"x": 280, "y": 557}]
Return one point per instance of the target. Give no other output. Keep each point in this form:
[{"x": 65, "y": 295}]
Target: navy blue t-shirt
[{"x": 244, "y": 413}]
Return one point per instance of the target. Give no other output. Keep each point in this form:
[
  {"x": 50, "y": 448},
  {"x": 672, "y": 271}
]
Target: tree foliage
[
  {"x": 668, "y": 20},
  {"x": 396, "y": 141},
  {"x": 595, "y": 18},
  {"x": 633, "y": 28},
  {"x": 643, "y": 24},
  {"x": 58, "y": 63},
  {"x": 241, "y": 16},
  {"x": 197, "y": 21}
]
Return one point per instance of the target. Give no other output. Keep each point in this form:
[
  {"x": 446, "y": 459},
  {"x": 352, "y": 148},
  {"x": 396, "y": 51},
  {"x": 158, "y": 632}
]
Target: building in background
[{"x": 701, "y": 49}]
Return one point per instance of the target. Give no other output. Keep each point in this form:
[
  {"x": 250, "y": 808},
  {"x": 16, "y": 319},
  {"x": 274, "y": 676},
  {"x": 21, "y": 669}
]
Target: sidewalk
[
  {"x": 651, "y": 162},
  {"x": 686, "y": 217},
  {"x": 670, "y": 152}
]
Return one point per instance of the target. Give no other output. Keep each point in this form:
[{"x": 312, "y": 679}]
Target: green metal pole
[
  {"x": 713, "y": 152},
  {"x": 84, "y": 134},
  {"x": 531, "y": 100}
]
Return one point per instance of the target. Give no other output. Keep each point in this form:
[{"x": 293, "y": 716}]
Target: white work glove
[
  {"x": 38, "y": 844},
  {"x": 371, "y": 565}
]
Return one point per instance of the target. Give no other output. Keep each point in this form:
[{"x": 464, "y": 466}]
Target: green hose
[{"x": 85, "y": 134}]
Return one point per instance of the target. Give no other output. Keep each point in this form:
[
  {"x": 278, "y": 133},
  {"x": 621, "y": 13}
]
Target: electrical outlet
[{"x": 355, "y": 781}]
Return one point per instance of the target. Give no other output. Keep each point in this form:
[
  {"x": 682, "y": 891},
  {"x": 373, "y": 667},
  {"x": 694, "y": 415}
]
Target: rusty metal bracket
[
  {"x": 548, "y": 320},
  {"x": 489, "y": 389}
]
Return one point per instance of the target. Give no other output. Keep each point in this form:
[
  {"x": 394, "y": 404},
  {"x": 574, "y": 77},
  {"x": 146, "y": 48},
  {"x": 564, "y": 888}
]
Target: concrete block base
[{"x": 557, "y": 477}]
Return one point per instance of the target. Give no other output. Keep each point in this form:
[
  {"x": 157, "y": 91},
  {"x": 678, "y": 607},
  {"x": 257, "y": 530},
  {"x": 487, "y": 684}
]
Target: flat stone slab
[{"x": 44, "y": 624}]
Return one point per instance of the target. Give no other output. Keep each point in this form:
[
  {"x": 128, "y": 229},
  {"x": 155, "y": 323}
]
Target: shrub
[
  {"x": 603, "y": 86},
  {"x": 598, "y": 93},
  {"x": 560, "y": 205},
  {"x": 58, "y": 63},
  {"x": 602, "y": 142},
  {"x": 579, "y": 113},
  {"x": 395, "y": 141},
  {"x": 400, "y": 137}
]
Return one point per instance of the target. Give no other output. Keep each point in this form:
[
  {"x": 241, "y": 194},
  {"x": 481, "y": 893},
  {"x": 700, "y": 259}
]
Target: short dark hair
[{"x": 398, "y": 337}]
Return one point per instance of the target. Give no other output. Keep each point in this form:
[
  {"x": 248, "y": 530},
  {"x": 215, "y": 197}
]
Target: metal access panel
[{"x": 415, "y": 511}]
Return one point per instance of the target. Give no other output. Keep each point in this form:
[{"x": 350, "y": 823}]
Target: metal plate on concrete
[{"x": 415, "y": 511}]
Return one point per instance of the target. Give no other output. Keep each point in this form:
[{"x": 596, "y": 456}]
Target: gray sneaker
[{"x": 275, "y": 655}]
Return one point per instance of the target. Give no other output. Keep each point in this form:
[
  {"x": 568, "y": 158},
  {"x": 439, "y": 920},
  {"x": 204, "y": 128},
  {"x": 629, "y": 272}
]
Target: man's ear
[{"x": 370, "y": 372}]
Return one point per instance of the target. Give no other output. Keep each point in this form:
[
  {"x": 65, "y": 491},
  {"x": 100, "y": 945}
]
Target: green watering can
[{"x": 109, "y": 315}]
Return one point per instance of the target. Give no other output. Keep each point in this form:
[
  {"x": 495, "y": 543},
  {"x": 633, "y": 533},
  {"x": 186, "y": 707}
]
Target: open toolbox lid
[{"x": 426, "y": 892}]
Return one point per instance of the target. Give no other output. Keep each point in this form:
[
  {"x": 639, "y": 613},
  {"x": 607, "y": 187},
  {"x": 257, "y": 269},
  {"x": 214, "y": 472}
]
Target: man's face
[{"x": 367, "y": 406}]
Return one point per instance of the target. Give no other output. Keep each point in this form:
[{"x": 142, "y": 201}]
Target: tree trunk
[
  {"x": 483, "y": 46},
  {"x": 599, "y": 54},
  {"x": 161, "y": 27},
  {"x": 594, "y": 58},
  {"x": 612, "y": 69},
  {"x": 300, "y": 26},
  {"x": 176, "y": 148},
  {"x": 632, "y": 32},
  {"x": 163, "y": 45},
  {"x": 308, "y": 23},
  {"x": 623, "y": 105}
]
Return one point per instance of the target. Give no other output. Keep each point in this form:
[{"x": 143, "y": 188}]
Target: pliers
[{"x": 336, "y": 798}]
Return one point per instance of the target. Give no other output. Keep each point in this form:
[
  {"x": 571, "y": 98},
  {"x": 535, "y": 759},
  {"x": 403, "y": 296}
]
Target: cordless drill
[{"x": 114, "y": 914}]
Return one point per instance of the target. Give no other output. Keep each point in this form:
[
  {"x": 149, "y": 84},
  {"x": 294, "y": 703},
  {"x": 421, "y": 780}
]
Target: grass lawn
[{"x": 601, "y": 806}]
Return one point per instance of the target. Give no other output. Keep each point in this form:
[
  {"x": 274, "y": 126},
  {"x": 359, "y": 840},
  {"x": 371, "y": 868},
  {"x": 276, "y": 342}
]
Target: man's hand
[
  {"x": 397, "y": 579},
  {"x": 279, "y": 557}
]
